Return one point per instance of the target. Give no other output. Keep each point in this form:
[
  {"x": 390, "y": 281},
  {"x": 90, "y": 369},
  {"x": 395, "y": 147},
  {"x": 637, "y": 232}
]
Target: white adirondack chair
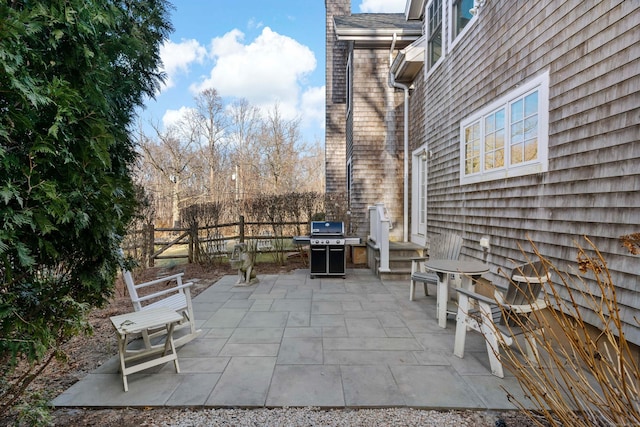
[
  {"x": 442, "y": 246},
  {"x": 176, "y": 297},
  {"x": 487, "y": 315}
]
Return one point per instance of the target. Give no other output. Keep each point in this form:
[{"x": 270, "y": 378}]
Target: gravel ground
[
  {"x": 290, "y": 417},
  {"x": 315, "y": 417}
]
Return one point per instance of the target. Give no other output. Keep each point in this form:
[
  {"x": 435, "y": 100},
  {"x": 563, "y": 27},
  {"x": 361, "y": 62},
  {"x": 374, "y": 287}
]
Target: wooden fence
[{"x": 152, "y": 243}]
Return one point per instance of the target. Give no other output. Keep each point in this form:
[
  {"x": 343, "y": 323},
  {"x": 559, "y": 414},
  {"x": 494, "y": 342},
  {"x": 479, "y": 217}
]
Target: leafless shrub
[{"x": 582, "y": 378}]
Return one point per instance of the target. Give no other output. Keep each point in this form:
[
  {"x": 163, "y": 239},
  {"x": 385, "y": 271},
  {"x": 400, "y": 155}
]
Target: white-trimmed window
[
  {"x": 435, "y": 30},
  {"x": 508, "y": 137},
  {"x": 460, "y": 16}
]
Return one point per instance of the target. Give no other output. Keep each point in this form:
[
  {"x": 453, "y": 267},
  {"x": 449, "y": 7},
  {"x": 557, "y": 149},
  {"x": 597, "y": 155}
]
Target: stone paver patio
[{"x": 295, "y": 341}]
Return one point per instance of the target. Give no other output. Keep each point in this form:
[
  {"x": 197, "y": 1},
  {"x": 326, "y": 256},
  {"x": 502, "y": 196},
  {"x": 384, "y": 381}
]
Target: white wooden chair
[
  {"x": 495, "y": 317},
  {"x": 442, "y": 246},
  {"x": 176, "y": 297}
]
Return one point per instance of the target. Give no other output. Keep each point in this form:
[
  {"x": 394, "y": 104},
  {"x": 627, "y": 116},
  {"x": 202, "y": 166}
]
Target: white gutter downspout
[{"x": 393, "y": 83}]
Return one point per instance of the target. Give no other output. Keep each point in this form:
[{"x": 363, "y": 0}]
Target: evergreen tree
[{"x": 72, "y": 73}]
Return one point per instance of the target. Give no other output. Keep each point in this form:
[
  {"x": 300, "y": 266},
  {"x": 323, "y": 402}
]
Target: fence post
[
  {"x": 149, "y": 246},
  {"x": 241, "y": 228},
  {"x": 194, "y": 247}
]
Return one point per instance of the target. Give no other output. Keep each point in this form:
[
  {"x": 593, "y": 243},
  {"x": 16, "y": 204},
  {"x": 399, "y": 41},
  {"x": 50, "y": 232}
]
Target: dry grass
[{"x": 582, "y": 378}]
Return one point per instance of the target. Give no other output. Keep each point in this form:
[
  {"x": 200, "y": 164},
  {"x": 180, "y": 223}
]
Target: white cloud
[
  {"x": 313, "y": 107},
  {"x": 269, "y": 69},
  {"x": 382, "y": 6},
  {"x": 172, "y": 117},
  {"x": 177, "y": 57}
]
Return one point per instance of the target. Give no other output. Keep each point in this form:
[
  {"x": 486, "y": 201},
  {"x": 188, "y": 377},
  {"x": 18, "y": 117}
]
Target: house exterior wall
[
  {"x": 592, "y": 187},
  {"x": 377, "y": 146},
  {"x": 335, "y": 137}
]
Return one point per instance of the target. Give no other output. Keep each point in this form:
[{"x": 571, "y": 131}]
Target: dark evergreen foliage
[{"x": 72, "y": 73}]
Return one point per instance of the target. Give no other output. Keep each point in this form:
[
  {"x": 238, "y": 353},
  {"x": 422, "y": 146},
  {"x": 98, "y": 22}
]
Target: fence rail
[{"x": 150, "y": 243}]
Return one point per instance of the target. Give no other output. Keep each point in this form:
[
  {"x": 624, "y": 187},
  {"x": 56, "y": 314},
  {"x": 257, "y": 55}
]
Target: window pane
[
  {"x": 500, "y": 139},
  {"x": 516, "y": 154},
  {"x": 435, "y": 31},
  {"x": 472, "y": 148},
  {"x": 500, "y": 119},
  {"x": 435, "y": 15},
  {"x": 531, "y": 104},
  {"x": 531, "y": 149},
  {"x": 499, "y": 158},
  {"x": 461, "y": 15},
  {"x": 467, "y": 167},
  {"x": 476, "y": 149},
  {"x": 488, "y": 161},
  {"x": 476, "y": 131},
  {"x": 435, "y": 48},
  {"x": 516, "y": 133},
  {"x": 489, "y": 124},
  {"x": 489, "y": 143},
  {"x": 531, "y": 127},
  {"x": 516, "y": 111}
]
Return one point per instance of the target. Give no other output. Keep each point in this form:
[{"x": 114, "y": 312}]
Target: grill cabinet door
[
  {"x": 318, "y": 260},
  {"x": 337, "y": 259}
]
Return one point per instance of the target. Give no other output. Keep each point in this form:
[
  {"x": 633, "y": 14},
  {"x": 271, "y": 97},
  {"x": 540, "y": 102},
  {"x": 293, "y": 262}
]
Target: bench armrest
[
  {"x": 160, "y": 280},
  {"x": 185, "y": 286}
]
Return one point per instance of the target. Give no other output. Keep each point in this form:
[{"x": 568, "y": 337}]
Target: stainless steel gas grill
[{"x": 327, "y": 248}]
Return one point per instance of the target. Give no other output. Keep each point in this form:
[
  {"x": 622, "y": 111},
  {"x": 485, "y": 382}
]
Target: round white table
[{"x": 469, "y": 270}]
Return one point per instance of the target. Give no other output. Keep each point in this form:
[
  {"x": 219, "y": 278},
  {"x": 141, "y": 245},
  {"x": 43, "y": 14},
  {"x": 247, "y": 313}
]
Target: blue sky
[{"x": 266, "y": 51}]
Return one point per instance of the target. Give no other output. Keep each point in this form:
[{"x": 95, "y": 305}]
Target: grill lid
[{"x": 327, "y": 228}]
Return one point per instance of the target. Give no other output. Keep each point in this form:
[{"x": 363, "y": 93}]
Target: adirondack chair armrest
[
  {"x": 526, "y": 308},
  {"x": 184, "y": 286},
  {"x": 160, "y": 280},
  {"x": 476, "y": 296}
]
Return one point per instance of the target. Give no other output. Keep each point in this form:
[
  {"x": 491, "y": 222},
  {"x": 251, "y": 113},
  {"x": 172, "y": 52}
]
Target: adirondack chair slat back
[
  {"x": 526, "y": 284},
  {"x": 524, "y": 287},
  {"x": 445, "y": 246},
  {"x": 131, "y": 287}
]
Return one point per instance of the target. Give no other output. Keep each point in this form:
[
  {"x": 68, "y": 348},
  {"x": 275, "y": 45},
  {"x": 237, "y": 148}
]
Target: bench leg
[
  {"x": 122, "y": 348},
  {"x": 169, "y": 346}
]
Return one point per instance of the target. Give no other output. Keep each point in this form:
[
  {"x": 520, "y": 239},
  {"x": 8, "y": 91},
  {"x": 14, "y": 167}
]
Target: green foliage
[
  {"x": 37, "y": 413},
  {"x": 72, "y": 73}
]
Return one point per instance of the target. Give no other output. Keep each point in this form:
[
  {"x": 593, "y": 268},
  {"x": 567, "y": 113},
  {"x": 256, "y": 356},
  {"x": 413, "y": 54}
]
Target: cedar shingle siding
[
  {"x": 592, "y": 188},
  {"x": 377, "y": 139}
]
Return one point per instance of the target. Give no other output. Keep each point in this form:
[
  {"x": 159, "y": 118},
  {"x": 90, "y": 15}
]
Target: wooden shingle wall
[
  {"x": 377, "y": 134},
  {"x": 592, "y": 52},
  {"x": 336, "y": 63}
]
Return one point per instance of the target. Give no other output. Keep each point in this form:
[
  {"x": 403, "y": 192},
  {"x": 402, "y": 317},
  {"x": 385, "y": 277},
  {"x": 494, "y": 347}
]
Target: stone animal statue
[{"x": 242, "y": 261}]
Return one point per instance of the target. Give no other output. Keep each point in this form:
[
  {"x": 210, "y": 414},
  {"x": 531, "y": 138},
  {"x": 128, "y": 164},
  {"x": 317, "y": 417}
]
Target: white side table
[{"x": 137, "y": 322}]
